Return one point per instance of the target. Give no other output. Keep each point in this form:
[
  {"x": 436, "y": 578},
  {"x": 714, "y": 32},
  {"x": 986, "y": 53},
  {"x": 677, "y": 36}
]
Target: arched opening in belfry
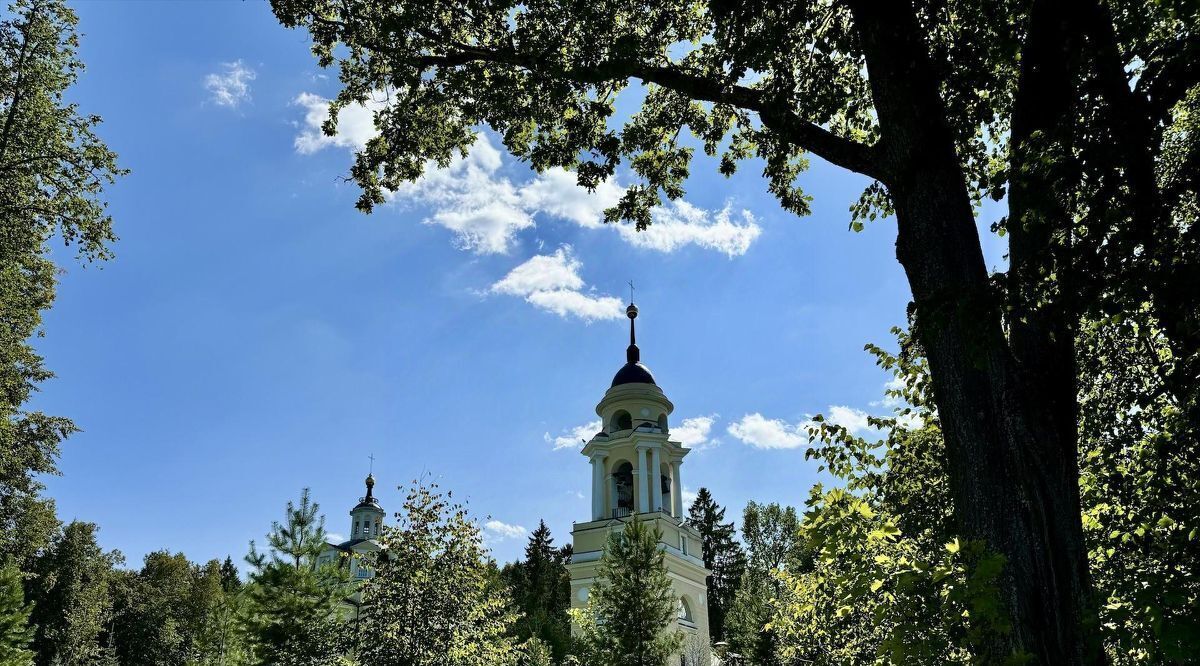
[
  {"x": 623, "y": 483},
  {"x": 662, "y": 422},
  {"x": 664, "y": 476},
  {"x": 621, "y": 421}
]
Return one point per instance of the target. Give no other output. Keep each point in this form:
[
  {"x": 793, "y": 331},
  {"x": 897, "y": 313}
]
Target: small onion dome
[{"x": 369, "y": 500}]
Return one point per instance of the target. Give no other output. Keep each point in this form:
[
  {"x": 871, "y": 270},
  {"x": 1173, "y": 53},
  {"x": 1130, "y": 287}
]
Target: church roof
[{"x": 633, "y": 372}]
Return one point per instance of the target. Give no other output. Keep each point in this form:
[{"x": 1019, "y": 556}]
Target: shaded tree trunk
[{"x": 1013, "y": 479}]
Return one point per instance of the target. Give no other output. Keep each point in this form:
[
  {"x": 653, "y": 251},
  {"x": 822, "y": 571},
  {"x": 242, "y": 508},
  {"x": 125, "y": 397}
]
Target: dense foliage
[
  {"x": 889, "y": 583},
  {"x": 541, "y": 591},
  {"x": 71, "y": 589},
  {"x": 15, "y": 632},
  {"x": 771, "y": 535}
]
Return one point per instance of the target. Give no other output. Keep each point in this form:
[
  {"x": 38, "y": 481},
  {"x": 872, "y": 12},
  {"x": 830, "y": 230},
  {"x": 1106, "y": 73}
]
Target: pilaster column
[
  {"x": 676, "y": 490},
  {"x": 611, "y": 505},
  {"x": 643, "y": 475},
  {"x": 656, "y": 480},
  {"x": 597, "y": 486}
]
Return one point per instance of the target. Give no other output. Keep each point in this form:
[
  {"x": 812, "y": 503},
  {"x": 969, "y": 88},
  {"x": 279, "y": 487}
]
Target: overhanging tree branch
[{"x": 835, "y": 149}]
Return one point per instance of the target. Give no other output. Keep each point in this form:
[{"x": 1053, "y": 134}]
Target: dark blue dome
[{"x": 633, "y": 373}]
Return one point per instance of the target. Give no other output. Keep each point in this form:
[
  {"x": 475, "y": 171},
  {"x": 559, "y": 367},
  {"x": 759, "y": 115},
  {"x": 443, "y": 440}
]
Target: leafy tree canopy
[
  {"x": 53, "y": 169},
  {"x": 432, "y": 601}
]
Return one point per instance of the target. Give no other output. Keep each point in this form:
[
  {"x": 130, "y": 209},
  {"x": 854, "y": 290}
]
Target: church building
[
  {"x": 635, "y": 471},
  {"x": 366, "y": 522}
]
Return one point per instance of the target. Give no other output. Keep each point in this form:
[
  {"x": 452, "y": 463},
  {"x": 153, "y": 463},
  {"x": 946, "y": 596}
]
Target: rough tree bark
[{"x": 1013, "y": 479}]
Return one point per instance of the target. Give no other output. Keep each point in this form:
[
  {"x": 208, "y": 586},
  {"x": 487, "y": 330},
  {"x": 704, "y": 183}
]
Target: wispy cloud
[
  {"x": 486, "y": 209},
  {"x": 230, "y": 86},
  {"x": 573, "y": 438},
  {"x": 552, "y": 282},
  {"x": 689, "y": 496},
  {"x": 496, "y": 531}
]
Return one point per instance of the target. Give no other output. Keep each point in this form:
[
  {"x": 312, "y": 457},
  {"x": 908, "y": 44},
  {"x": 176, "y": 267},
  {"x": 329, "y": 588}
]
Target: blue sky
[{"x": 256, "y": 335}]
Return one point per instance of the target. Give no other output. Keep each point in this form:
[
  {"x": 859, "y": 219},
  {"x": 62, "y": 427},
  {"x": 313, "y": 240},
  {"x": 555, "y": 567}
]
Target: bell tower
[{"x": 636, "y": 471}]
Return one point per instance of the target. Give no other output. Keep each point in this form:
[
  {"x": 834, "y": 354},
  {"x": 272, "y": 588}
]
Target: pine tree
[
  {"x": 723, "y": 556},
  {"x": 632, "y": 605},
  {"x": 294, "y": 613},
  {"x": 541, "y": 589},
  {"x": 231, "y": 580},
  {"x": 433, "y": 601},
  {"x": 15, "y": 632}
]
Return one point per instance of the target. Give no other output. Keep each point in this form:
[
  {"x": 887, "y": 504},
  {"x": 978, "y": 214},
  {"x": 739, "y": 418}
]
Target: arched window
[
  {"x": 662, "y": 422},
  {"x": 623, "y": 478},
  {"x": 685, "y": 610},
  {"x": 621, "y": 421}
]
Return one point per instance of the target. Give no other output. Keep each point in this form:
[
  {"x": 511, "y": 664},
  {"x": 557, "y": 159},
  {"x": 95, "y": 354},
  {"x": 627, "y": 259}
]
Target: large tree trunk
[
  {"x": 1043, "y": 297},
  {"x": 1013, "y": 480}
]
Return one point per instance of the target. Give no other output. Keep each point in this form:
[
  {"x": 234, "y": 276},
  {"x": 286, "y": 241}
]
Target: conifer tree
[
  {"x": 231, "y": 580},
  {"x": 632, "y": 605},
  {"x": 433, "y": 601},
  {"x": 723, "y": 556},
  {"x": 15, "y": 632},
  {"x": 294, "y": 613},
  {"x": 541, "y": 589}
]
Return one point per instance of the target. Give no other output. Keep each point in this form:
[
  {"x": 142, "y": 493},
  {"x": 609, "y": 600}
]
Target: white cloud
[
  {"x": 334, "y": 537},
  {"x": 231, "y": 86},
  {"x": 556, "y": 193},
  {"x": 549, "y": 272},
  {"x": 356, "y": 124},
  {"x": 552, "y": 283},
  {"x": 497, "y": 531},
  {"x": 693, "y": 433},
  {"x": 486, "y": 209},
  {"x": 854, "y": 420},
  {"x": 468, "y": 197},
  {"x": 679, "y": 223},
  {"x": 763, "y": 433},
  {"x": 573, "y": 438}
]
